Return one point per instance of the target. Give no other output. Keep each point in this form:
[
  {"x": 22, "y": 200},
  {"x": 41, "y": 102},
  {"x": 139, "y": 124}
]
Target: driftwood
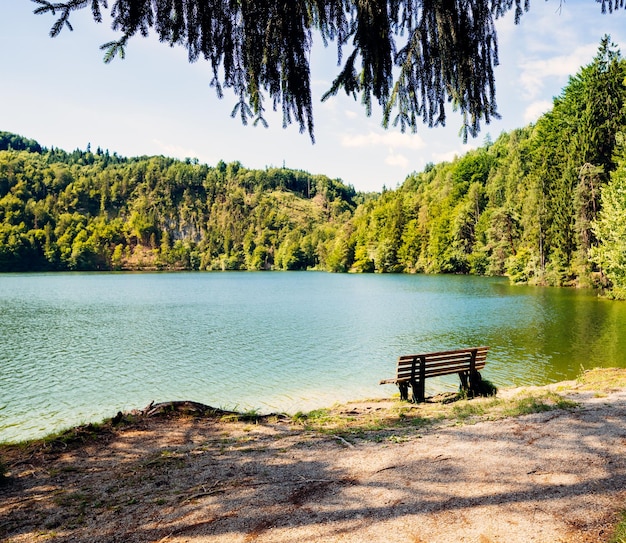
[
  {"x": 344, "y": 441},
  {"x": 188, "y": 407},
  {"x": 183, "y": 406}
]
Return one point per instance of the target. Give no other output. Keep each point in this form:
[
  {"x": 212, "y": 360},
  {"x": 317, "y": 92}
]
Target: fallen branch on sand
[{"x": 183, "y": 406}]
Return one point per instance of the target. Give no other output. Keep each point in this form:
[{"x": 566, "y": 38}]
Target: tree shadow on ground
[{"x": 206, "y": 479}]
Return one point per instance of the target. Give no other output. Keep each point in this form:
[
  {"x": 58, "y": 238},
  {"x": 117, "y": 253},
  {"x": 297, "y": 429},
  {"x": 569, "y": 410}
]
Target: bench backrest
[{"x": 441, "y": 363}]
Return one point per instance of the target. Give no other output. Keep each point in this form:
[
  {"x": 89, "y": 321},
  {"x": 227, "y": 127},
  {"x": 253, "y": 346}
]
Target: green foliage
[
  {"x": 526, "y": 405},
  {"x": 544, "y": 205},
  {"x": 85, "y": 211},
  {"x": 571, "y": 157},
  {"x": 466, "y": 410},
  {"x": 619, "y": 534},
  {"x": 18, "y": 143},
  {"x": 522, "y": 206},
  {"x": 610, "y": 229}
]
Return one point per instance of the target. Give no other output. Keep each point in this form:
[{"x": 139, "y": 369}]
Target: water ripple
[{"x": 79, "y": 347}]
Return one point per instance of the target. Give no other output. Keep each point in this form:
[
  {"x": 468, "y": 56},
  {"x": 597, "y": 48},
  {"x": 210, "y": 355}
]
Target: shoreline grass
[
  {"x": 366, "y": 422},
  {"x": 343, "y": 418}
]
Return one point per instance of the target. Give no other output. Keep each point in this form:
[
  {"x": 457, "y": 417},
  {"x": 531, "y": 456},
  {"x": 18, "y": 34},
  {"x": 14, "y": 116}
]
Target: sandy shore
[{"x": 367, "y": 471}]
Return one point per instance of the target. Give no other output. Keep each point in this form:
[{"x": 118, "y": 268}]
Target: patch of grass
[
  {"x": 65, "y": 439},
  {"x": 76, "y": 503},
  {"x": 250, "y": 415},
  {"x": 602, "y": 380},
  {"x": 72, "y": 499},
  {"x": 71, "y": 436},
  {"x": 163, "y": 460},
  {"x": 419, "y": 422},
  {"x": 619, "y": 535},
  {"x": 317, "y": 416},
  {"x": 526, "y": 405},
  {"x": 376, "y": 424},
  {"x": 465, "y": 410},
  {"x": 402, "y": 419},
  {"x": 397, "y": 439}
]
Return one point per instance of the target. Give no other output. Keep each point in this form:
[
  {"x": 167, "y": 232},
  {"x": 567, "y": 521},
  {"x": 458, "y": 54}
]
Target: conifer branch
[
  {"x": 412, "y": 57},
  {"x": 113, "y": 48}
]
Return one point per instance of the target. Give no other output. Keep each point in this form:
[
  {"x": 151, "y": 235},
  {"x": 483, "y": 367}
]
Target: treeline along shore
[{"x": 543, "y": 204}]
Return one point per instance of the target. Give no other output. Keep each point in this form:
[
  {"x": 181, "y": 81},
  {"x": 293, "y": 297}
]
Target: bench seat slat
[
  {"x": 445, "y": 353},
  {"x": 406, "y": 376},
  {"x": 442, "y": 364},
  {"x": 450, "y": 359},
  {"x": 459, "y": 360}
]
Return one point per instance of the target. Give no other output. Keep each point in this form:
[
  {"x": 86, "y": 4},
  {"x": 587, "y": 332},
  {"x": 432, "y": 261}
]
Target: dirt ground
[{"x": 551, "y": 476}]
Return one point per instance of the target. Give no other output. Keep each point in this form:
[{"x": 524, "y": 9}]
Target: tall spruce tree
[
  {"x": 572, "y": 157},
  {"x": 610, "y": 229},
  {"x": 410, "y": 56}
]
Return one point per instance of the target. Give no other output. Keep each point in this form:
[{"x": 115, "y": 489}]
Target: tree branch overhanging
[{"x": 410, "y": 56}]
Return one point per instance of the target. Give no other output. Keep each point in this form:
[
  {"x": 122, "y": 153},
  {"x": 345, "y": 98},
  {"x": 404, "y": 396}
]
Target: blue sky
[{"x": 59, "y": 92}]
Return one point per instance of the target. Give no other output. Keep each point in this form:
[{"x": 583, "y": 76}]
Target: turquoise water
[{"x": 79, "y": 347}]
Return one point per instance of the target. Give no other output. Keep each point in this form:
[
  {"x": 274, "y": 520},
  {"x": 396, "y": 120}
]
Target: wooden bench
[{"x": 412, "y": 370}]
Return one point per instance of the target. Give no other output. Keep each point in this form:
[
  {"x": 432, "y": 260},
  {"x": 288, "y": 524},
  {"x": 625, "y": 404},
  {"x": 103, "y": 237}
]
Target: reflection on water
[{"x": 80, "y": 347}]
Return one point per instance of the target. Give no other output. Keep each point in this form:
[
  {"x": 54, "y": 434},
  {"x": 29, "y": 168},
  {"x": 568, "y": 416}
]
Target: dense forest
[{"x": 544, "y": 204}]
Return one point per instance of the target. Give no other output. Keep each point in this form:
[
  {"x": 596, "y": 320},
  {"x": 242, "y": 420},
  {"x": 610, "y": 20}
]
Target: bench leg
[
  {"x": 404, "y": 391},
  {"x": 475, "y": 381},
  {"x": 463, "y": 377},
  {"x": 470, "y": 382},
  {"x": 419, "y": 392}
]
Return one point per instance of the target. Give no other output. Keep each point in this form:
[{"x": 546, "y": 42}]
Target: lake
[{"x": 77, "y": 348}]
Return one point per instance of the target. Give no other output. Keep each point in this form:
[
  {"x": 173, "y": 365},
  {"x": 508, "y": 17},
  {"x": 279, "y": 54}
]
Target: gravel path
[{"x": 547, "y": 477}]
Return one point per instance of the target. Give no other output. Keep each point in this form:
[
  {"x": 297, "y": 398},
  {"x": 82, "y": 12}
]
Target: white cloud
[
  {"x": 175, "y": 151},
  {"x": 444, "y": 157},
  {"x": 388, "y": 139},
  {"x": 396, "y": 159},
  {"x": 447, "y": 154},
  {"x": 534, "y": 72},
  {"x": 536, "y": 110}
]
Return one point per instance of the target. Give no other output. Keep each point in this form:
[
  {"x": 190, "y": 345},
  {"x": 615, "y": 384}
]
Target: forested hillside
[
  {"x": 89, "y": 211},
  {"x": 544, "y": 204},
  {"x": 529, "y": 205}
]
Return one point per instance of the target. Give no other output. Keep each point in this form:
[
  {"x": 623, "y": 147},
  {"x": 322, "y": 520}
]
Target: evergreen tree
[
  {"x": 533, "y": 205},
  {"x": 610, "y": 229},
  {"x": 571, "y": 158},
  {"x": 412, "y": 57}
]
